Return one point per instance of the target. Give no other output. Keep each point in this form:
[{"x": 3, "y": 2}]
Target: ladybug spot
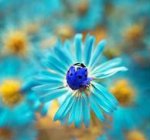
[
  {"x": 78, "y": 68},
  {"x": 71, "y": 74},
  {"x": 80, "y": 77}
]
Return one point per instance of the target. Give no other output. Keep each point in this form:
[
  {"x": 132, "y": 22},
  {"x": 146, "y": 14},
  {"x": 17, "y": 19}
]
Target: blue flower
[
  {"x": 18, "y": 107},
  {"x": 74, "y": 70},
  {"x": 18, "y": 104},
  {"x": 133, "y": 99}
]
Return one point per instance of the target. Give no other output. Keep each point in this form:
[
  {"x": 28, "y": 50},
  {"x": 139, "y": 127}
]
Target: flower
[
  {"x": 134, "y": 33},
  {"x": 9, "y": 92},
  {"x": 15, "y": 42},
  {"x": 135, "y": 135},
  {"x": 16, "y": 105},
  {"x": 132, "y": 99},
  {"x": 77, "y": 74},
  {"x": 124, "y": 93}
]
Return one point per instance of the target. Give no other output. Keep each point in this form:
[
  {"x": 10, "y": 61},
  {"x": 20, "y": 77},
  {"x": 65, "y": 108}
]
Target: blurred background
[{"x": 29, "y": 28}]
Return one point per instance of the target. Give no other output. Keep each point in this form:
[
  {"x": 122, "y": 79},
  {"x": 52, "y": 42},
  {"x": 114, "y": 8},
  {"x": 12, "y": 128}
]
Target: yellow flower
[
  {"x": 15, "y": 42},
  {"x": 124, "y": 92},
  {"x": 135, "y": 135},
  {"x": 10, "y": 92},
  {"x": 134, "y": 33}
]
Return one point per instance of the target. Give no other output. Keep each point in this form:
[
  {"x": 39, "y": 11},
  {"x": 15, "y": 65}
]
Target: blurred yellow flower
[
  {"x": 123, "y": 91},
  {"x": 134, "y": 33},
  {"x": 10, "y": 92},
  {"x": 15, "y": 42},
  {"x": 135, "y": 135}
]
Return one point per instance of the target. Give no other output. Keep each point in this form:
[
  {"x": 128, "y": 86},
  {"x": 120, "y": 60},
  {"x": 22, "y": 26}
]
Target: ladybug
[{"x": 77, "y": 76}]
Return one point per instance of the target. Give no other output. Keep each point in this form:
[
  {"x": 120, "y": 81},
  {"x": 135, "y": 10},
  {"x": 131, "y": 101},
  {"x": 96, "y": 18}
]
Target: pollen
[
  {"x": 16, "y": 42},
  {"x": 10, "y": 92},
  {"x": 135, "y": 135},
  {"x": 124, "y": 92}
]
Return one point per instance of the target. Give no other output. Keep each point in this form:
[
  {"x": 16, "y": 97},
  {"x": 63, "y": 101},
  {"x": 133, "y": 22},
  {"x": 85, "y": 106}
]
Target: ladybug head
[{"x": 77, "y": 76}]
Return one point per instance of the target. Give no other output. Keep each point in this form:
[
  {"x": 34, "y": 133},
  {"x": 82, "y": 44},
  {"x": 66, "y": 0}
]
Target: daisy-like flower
[
  {"x": 124, "y": 93},
  {"x": 74, "y": 70},
  {"x": 15, "y": 42},
  {"x": 16, "y": 100}
]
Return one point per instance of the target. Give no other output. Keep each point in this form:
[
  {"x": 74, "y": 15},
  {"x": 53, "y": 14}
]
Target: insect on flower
[{"x": 75, "y": 72}]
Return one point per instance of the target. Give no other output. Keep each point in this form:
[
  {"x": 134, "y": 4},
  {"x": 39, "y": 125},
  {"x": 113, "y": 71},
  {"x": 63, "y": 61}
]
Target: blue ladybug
[{"x": 77, "y": 76}]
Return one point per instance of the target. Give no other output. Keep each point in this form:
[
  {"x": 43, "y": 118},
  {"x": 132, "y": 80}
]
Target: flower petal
[
  {"x": 96, "y": 109},
  {"x": 88, "y": 48},
  {"x": 53, "y": 66},
  {"x": 103, "y": 103},
  {"x": 107, "y": 65},
  {"x": 65, "y": 54},
  {"x": 78, "y": 112},
  {"x": 78, "y": 47},
  {"x": 57, "y": 61},
  {"x": 64, "y": 108},
  {"x": 72, "y": 114},
  {"x": 108, "y": 96},
  {"x": 86, "y": 110},
  {"x": 97, "y": 53},
  {"x": 109, "y": 72},
  {"x": 53, "y": 94}
]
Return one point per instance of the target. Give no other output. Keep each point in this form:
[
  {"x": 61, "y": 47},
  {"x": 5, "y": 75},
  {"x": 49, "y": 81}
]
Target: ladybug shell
[{"x": 77, "y": 76}]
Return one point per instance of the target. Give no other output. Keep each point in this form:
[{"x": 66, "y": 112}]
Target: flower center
[
  {"x": 135, "y": 135},
  {"x": 123, "y": 92},
  {"x": 77, "y": 76},
  {"x": 134, "y": 33},
  {"x": 16, "y": 42},
  {"x": 10, "y": 92}
]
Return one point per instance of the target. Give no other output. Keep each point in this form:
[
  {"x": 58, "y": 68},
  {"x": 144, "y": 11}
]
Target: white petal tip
[
  {"x": 125, "y": 69},
  {"x": 103, "y": 42}
]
